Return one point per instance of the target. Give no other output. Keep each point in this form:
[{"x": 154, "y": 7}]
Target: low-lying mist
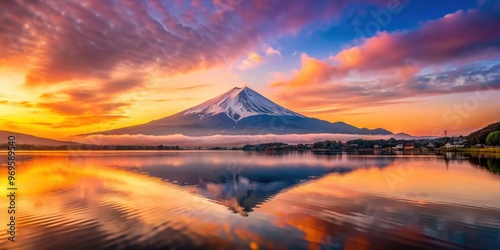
[{"x": 221, "y": 140}]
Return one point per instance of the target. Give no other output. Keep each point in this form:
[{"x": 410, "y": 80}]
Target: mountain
[
  {"x": 33, "y": 140},
  {"x": 479, "y": 136},
  {"x": 240, "y": 103},
  {"x": 241, "y": 111}
]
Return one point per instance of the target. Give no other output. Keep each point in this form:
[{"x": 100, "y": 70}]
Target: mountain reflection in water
[{"x": 180, "y": 200}]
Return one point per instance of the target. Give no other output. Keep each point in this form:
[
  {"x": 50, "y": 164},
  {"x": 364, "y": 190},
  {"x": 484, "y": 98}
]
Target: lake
[{"x": 250, "y": 200}]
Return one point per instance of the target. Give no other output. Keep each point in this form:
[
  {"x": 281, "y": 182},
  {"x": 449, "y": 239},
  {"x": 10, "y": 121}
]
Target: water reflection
[
  {"x": 153, "y": 200},
  {"x": 66, "y": 203},
  {"x": 238, "y": 180},
  {"x": 487, "y": 162}
]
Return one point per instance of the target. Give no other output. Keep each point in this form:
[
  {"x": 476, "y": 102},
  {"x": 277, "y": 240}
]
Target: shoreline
[
  {"x": 470, "y": 150},
  {"x": 415, "y": 151}
]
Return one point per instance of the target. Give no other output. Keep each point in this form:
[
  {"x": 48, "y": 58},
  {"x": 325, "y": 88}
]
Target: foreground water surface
[{"x": 248, "y": 200}]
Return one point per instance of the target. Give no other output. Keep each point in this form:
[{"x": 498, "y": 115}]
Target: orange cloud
[
  {"x": 253, "y": 60},
  {"x": 86, "y": 104},
  {"x": 313, "y": 72}
]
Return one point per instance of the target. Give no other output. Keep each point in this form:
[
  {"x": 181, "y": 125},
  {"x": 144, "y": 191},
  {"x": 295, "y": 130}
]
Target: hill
[
  {"x": 479, "y": 136},
  {"x": 32, "y": 140}
]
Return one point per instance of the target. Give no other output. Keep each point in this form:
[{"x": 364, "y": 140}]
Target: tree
[
  {"x": 493, "y": 138},
  {"x": 332, "y": 145}
]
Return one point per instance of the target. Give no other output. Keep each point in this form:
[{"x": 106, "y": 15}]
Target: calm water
[{"x": 240, "y": 200}]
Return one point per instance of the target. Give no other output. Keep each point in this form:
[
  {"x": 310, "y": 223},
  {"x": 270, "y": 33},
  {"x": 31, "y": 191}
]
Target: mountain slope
[
  {"x": 479, "y": 136},
  {"x": 30, "y": 139},
  {"x": 241, "y": 111}
]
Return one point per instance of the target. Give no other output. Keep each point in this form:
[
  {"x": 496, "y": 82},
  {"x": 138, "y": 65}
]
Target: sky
[{"x": 72, "y": 67}]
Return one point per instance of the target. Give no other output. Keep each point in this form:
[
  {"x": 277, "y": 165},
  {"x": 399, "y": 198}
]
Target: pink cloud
[
  {"x": 270, "y": 51},
  {"x": 77, "y": 40},
  {"x": 389, "y": 66},
  {"x": 460, "y": 37}
]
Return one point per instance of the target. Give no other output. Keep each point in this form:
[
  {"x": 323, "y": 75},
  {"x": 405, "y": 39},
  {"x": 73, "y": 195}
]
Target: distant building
[
  {"x": 399, "y": 146},
  {"x": 376, "y": 146},
  {"x": 409, "y": 145},
  {"x": 430, "y": 145},
  {"x": 449, "y": 145}
]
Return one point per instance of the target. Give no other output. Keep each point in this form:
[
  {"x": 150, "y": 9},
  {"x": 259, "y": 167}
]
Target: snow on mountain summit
[{"x": 239, "y": 103}]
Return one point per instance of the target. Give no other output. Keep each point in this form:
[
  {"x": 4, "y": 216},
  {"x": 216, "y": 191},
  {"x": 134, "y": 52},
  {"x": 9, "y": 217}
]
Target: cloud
[
  {"x": 120, "y": 85},
  {"x": 173, "y": 99},
  {"x": 65, "y": 108},
  {"x": 440, "y": 57},
  {"x": 272, "y": 52},
  {"x": 253, "y": 60},
  {"x": 464, "y": 79},
  {"x": 313, "y": 72},
  {"x": 84, "y": 57},
  {"x": 86, "y": 103},
  {"x": 460, "y": 37},
  {"x": 23, "y": 104},
  {"x": 89, "y": 39},
  {"x": 82, "y": 120},
  {"x": 199, "y": 86}
]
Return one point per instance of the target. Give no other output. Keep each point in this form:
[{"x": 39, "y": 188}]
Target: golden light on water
[{"x": 114, "y": 197}]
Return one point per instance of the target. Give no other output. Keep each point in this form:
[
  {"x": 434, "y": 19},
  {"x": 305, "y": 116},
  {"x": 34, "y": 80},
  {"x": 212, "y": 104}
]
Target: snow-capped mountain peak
[
  {"x": 239, "y": 103},
  {"x": 240, "y": 111}
]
